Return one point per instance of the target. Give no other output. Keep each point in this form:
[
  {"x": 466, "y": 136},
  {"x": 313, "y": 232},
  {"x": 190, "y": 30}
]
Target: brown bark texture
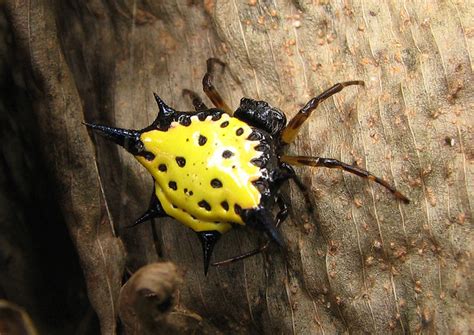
[{"x": 361, "y": 263}]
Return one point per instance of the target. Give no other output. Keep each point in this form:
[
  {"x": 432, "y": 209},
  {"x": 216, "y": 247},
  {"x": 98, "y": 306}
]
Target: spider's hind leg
[
  {"x": 293, "y": 127},
  {"x": 209, "y": 88}
]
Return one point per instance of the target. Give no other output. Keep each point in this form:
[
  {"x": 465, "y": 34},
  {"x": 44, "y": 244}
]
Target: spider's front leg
[
  {"x": 209, "y": 88},
  {"x": 291, "y": 130},
  {"x": 335, "y": 164}
]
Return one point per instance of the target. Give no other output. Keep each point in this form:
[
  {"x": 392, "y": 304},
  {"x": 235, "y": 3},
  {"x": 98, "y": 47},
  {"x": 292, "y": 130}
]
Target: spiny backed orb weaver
[{"x": 214, "y": 168}]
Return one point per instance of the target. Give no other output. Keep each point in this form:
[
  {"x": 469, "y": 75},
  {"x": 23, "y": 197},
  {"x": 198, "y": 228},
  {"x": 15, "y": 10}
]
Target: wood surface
[{"x": 362, "y": 263}]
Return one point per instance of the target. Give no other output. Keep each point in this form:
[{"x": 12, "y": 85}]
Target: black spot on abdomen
[
  {"x": 237, "y": 209},
  {"x": 254, "y": 136},
  {"x": 204, "y": 204},
  {"x": 162, "y": 167},
  {"x": 173, "y": 185},
  {"x": 225, "y": 205},
  {"x": 216, "y": 183},
  {"x": 149, "y": 156},
  {"x": 181, "y": 161},
  {"x": 227, "y": 154},
  {"x": 184, "y": 120},
  {"x": 202, "y": 140},
  {"x": 201, "y": 116},
  {"x": 257, "y": 162}
]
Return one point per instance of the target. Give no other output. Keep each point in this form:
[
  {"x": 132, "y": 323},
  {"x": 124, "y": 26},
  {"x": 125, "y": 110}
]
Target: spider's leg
[
  {"x": 280, "y": 217},
  {"x": 196, "y": 100},
  {"x": 209, "y": 88},
  {"x": 293, "y": 127},
  {"x": 289, "y": 173},
  {"x": 335, "y": 164},
  {"x": 155, "y": 210}
]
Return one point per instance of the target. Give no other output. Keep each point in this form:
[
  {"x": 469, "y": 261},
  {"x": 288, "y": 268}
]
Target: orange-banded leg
[
  {"x": 196, "y": 100},
  {"x": 335, "y": 164},
  {"x": 292, "y": 128},
  {"x": 209, "y": 88},
  {"x": 280, "y": 217}
]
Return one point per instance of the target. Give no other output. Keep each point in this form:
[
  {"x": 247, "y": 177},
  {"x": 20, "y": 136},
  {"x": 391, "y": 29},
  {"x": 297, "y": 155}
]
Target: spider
[{"x": 215, "y": 168}]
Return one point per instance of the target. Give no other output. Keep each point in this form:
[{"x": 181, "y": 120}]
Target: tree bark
[{"x": 363, "y": 262}]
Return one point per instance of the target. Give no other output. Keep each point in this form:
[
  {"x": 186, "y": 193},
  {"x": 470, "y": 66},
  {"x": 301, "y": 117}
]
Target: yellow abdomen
[{"x": 203, "y": 172}]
